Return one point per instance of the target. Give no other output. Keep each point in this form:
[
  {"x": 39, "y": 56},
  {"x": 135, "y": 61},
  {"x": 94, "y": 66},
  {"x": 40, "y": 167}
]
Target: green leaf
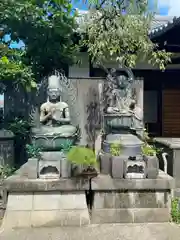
[
  {"x": 5, "y": 60},
  {"x": 33, "y": 84}
]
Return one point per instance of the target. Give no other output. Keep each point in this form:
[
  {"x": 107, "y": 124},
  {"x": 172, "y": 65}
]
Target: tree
[
  {"x": 13, "y": 69},
  {"x": 118, "y": 30},
  {"x": 45, "y": 27}
]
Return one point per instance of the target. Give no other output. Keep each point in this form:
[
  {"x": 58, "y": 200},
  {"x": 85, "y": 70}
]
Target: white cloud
[{"x": 174, "y": 9}]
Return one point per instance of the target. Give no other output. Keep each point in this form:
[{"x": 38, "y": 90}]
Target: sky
[{"x": 165, "y": 7}]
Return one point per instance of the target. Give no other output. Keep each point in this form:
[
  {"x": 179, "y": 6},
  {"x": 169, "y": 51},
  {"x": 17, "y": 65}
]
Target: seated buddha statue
[
  {"x": 121, "y": 106},
  {"x": 54, "y": 114}
]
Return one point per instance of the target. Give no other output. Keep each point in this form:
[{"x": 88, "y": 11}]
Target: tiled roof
[{"x": 161, "y": 25}]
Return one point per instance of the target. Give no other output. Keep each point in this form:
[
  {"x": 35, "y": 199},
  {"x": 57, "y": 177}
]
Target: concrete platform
[{"x": 165, "y": 231}]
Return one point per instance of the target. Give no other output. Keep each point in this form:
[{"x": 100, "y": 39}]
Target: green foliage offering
[
  {"x": 175, "y": 211},
  {"x": 33, "y": 151},
  {"x": 46, "y": 28},
  {"x": 66, "y": 146},
  {"x": 115, "y": 149},
  {"x": 82, "y": 156},
  {"x": 6, "y": 171},
  {"x": 148, "y": 150},
  {"x": 118, "y": 31}
]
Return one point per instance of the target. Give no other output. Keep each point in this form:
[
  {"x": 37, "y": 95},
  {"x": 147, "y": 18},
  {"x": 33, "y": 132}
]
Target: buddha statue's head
[
  {"x": 54, "y": 90},
  {"x": 53, "y": 94},
  {"x": 121, "y": 81}
]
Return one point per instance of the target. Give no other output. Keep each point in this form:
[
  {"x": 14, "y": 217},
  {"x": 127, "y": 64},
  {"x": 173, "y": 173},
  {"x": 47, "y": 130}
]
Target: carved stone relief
[{"x": 93, "y": 114}]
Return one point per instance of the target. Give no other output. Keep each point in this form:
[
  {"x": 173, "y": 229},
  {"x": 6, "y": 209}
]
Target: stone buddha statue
[
  {"x": 54, "y": 114},
  {"x": 122, "y": 109},
  {"x": 120, "y": 94}
]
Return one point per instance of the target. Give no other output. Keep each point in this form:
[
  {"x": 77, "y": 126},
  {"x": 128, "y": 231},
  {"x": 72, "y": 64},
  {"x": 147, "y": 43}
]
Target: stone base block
[
  {"x": 152, "y": 166},
  {"x": 105, "y": 163},
  {"x": 131, "y": 215},
  {"x": 117, "y": 166},
  {"x": 29, "y": 169},
  {"x": 46, "y": 209},
  {"x": 131, "y": 199},
  {"x": 101, "y": 216}
]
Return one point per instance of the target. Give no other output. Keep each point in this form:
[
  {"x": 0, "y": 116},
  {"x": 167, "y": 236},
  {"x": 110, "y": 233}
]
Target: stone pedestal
[
  {"x": 39, "y": 203},
  {"x": 131, "y": 200}
]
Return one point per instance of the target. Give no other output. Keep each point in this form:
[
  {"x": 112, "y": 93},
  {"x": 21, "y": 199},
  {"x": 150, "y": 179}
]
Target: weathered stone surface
[
  {"x": 102, "y": 182},
  {"x": 105, "y": 182},
  {"x": 59, "y": 218},
  {"x": 58, "y": 201},
  {"x": 29, "y": 169},
  {"x": 100, "y": 216},
  {"x": 20, "y": 202},
  {"x": 105, "y": 163},
  {"x": 142, "y": 199},
  {"x": 150, "y": 199},
  {"x": 152, "y": 231},
  {"x": 17, "y": 184},
  {"x": 124, "y": 200},
  {"x": 113, "y": 200},
  {"x": 171, "y": 146},
  {"x": 151, "y": 215},
  {"x": 130, "y": 215},
  {"x": 117, "y": 166},
  {"x": 17, "y": 219},
  {"x": 46, "y": 209},
  {"x": 65, "y": 168},
  {"x": 152, "y": 167}
]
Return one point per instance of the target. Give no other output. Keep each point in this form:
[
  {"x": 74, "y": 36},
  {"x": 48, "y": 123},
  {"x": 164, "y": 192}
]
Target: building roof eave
[{"x": 162, "y": 29}]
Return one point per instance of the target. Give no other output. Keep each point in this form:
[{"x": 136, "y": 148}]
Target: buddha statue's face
[
  {"x": 121, "y": 81},
  {"x": 53, "y": 94}
]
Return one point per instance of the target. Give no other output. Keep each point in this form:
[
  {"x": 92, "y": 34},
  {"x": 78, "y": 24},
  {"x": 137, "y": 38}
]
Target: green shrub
[
  {"x": 115, "y": 148},
  {"x": 82, "y": 156},
  {"x": 6, "y": 171},
  {"x": 175, "y": 210},
  {"x": 33, "y": 151}
]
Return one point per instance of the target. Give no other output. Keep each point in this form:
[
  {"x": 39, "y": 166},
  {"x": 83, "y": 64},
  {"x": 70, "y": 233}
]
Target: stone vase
[
  {"x": 117, "y": 168},
  {"x": 105, "y": 163},
  {"x": 152, "y": 163}
]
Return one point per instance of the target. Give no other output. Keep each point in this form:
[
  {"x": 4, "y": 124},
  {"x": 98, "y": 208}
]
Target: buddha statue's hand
[{"x": 52, "y": 111}]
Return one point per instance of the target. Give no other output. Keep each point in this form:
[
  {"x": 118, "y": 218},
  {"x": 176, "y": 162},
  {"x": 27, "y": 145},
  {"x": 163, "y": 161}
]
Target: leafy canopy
[
  {"x": 118, "y": 30},
  {"x": 46, "y": 28}
]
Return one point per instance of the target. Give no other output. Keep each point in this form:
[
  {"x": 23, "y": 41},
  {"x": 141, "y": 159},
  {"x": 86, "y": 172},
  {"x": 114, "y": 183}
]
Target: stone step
[
  {"x": 131, "y": 199},
  {"x": 130, "y": 215},
  {"x": 131, "y": 206}
]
